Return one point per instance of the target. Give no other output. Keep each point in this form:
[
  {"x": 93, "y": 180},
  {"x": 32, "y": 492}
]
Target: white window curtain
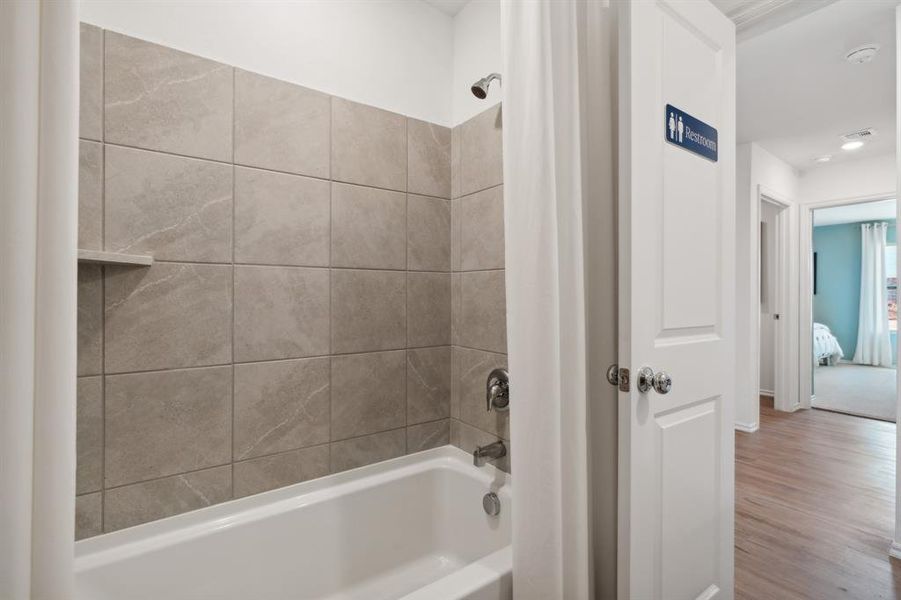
[
  {"x": 543, "y": 190},
  {"x": 874, "y": 346},
  {"x": 38, "y": 231}
]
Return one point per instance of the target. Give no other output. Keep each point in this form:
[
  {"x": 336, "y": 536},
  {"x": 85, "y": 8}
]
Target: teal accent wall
[{"x": 837, "y": 301}]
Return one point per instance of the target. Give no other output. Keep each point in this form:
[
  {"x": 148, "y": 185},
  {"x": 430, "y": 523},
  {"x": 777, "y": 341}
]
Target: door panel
[
  {"x": 689, "y": 487},
  {"x": 677, "y": 297}
]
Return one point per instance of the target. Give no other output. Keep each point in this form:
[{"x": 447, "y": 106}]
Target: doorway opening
[
  {"x": 854, "y": 300},
  {"x": 773, "y": 328}
]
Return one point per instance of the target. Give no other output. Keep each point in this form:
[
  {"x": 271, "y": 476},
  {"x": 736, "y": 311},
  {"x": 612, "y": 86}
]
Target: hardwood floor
[{"x": 814, "y": 504}]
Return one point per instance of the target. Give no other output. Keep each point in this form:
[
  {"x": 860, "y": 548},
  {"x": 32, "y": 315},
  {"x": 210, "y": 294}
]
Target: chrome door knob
[
  {"x": 613, "y": 375},
  {"x": 662, "y": 382},
  {"x": 647, "y": 379}
]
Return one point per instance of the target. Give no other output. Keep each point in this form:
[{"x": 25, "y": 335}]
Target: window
[{"x": 891, "y": 282}]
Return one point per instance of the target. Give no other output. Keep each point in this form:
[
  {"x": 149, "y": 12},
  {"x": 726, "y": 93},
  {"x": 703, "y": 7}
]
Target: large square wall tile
[
  {"x": 90, "y": 195},
  {"x": 369, "y": 145},
  {"x": 170, "y": 207},
  {"x": 167, "y": 422},
  {"x": 368, "y": 311},
  {"x": 278, "y": 470},
  {"x": 428, "y": 309},
  {"x": 428, "y": 384},
  {"x": 158, "y": 98},
  {"x": 483, "y": 312},
  {"x": 428, "y": 234},
  {"x": 368, "y": 394},
  {"x": 471, "y": 370},
  {"x": 90, "y": 320},
  {"x": 167, "y": 316},
  {"x": 428, "y": 435},
  {"x": 89, "y": 435},
  {"x": 281, "y": 405},
  {"x": 90, "y": 89},
  {"x": 429, "y": 148},
  {"x": 368, "y": 449},
  {"x": 481, "y": 221},
  {"x": 88, "y": 515},
  {"x": 281, "y": 312},
  {"x": 481, "y": 155},
  {"x": 281, "y": 219},
  {"x": 369, "y": 228},
  {"x": 281, "y": 126},
  {"x": 150, "y": 500}
]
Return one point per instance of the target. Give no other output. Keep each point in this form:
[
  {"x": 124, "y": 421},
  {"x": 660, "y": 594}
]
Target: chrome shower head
[{"x": 480, "y": 87}]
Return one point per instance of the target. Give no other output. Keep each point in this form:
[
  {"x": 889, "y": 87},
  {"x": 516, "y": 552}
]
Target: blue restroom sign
[{"x": 682, "y": 129}]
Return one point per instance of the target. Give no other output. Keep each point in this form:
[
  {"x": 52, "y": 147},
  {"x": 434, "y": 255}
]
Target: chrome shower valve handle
[{"x": 497, "y": 391}]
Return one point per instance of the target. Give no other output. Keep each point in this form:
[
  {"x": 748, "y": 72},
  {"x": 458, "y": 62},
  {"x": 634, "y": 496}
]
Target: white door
[{"x": 676, "y": 303}]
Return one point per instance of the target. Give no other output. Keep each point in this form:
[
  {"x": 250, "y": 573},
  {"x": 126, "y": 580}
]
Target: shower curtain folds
[
  {"x": 543, "y": 198},
  {"x": 38, "y": 231},
  {"x": 874, "y": 346}
]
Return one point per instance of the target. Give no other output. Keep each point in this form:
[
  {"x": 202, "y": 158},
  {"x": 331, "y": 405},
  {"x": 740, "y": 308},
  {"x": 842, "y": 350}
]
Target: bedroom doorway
[
  {"x": 854, "y": 305},
  {"x": 773, "y": 320}
]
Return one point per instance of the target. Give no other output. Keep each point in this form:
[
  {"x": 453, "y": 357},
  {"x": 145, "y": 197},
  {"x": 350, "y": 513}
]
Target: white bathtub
[{"x": 411, "y": 528}]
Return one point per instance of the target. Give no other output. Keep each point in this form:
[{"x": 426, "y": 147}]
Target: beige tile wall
[
  {"x": 297, "y": 320},
  {"x": 478, "y": 329}
]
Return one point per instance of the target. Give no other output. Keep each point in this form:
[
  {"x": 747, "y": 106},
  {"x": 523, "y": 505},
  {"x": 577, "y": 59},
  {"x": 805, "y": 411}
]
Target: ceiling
[
  {"x": 449, "y": 7},
  {"x": 754, "y": 17},
  {"x": 855, "y": 213},
  {"x": 797, "y": 94}
]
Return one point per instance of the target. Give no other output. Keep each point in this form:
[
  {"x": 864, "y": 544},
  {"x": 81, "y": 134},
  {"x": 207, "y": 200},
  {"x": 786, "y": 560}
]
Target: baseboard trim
[
  {"x": 895, "y": 550},
  {"x": 769, "y": 393},
  {"x": 748, "y": 428}
]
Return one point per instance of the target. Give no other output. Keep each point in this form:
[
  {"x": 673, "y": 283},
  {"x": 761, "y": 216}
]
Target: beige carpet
[{"x": 857, "y": 390}]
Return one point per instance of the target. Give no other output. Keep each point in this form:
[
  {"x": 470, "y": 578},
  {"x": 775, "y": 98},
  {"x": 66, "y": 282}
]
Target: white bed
[{"x": 826, "y": 349}]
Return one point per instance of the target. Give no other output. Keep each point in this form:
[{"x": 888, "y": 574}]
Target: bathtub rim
[{"x": 111, "y": 547}]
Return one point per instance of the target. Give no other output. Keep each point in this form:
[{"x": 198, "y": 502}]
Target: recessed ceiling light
[
  {"x": 862, "y": 54},
  {"x": 852, "y": 145},
  {"x": 823, "y": 159}
]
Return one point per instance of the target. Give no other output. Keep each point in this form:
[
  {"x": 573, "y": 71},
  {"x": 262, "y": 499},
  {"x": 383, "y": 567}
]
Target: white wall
[
  {"x": 393, "y": 54},
  {"x": 401, "y": 55},
  {"x": 855, "y": 179},
  {"x": 477, "y": 52},
  {"x": 756, "y": 168}
]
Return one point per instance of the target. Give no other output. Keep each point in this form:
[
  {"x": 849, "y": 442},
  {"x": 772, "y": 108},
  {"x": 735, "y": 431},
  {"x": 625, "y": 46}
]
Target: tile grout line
[
  {"x": 406, "y": 286},
  {"x": 288, "y": 359},
  {"x": 407, "y": 289},
  {"x": 231, "y": 448},
  {"x": 102, "y": 280},
  {"x": 238, "y": 165},
  {"x": 314, "y": 267},
  {"x": 331, "y": 226}
]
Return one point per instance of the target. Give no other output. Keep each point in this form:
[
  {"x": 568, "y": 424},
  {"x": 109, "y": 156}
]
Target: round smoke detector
[{"x": 862, "y": 54}]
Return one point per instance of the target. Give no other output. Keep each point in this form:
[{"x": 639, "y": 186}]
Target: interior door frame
[
  {"x": 805, "y": 331},
  {"x": 782, "y": 338}
]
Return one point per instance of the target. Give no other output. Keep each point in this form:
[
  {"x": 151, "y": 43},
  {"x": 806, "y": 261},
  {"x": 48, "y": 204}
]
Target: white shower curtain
[
  {"x": 38, "y": 231},
  {"x": 874, "y": 346},
  {"x": 543, "y": 177}
]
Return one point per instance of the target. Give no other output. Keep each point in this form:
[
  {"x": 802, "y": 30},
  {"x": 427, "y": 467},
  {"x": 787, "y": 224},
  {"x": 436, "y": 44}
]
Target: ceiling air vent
[{"x": 860, "y": 134}]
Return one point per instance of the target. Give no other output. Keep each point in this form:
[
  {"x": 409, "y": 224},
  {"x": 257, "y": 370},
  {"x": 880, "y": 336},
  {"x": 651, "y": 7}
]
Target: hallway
[{"x": 814, "y": 502}]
